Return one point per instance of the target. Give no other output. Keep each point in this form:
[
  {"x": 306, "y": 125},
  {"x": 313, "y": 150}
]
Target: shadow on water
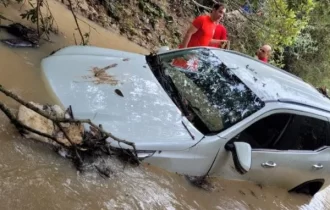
[{"x": 32, "y": 176}]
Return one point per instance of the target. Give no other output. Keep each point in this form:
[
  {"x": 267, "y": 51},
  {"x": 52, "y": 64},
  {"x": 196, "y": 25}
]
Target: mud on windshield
[{"x": 206, "y": 91}]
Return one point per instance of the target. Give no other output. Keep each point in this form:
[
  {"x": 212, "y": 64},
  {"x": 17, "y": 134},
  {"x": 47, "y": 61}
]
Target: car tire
[{"x": 309, "y": 188}]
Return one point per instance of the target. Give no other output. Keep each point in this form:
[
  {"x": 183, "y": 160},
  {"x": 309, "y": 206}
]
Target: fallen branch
[
  {"x": 88, "y": 25},
  {"x": 38, "y": 12},
  {"x": 4, "y": 18},
  {"x": 92, "y": 143},
  {"x": 62, "y": 120},
  {"x": 199, "y": 5},
  {"x": 76, "y": 20},
  {"x": 20, "y": 126}
]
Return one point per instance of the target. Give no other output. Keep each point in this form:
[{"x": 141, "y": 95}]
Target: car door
[{"x": 300, "y": 154}]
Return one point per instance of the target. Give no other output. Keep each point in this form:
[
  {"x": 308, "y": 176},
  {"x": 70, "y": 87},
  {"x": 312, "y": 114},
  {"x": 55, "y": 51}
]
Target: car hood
[{"x": 144, "y": 114}]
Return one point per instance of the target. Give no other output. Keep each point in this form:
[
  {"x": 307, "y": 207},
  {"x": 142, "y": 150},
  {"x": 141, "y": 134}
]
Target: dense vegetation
[{"x": 298, "y": 31}]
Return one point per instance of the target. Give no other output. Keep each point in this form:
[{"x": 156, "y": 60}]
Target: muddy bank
[
  {"x": 149, "y": 23},
  {"x": 66, "y": 27},
  {"x": 152, "y": 23}
]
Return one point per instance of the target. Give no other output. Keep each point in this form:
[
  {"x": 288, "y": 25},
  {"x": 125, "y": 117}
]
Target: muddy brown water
[{"x": 32, "y": 176}]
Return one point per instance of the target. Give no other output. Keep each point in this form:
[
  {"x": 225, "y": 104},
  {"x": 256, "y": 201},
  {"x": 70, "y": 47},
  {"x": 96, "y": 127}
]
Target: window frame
[
  {"x": 174, "y": 54},
  {"x": 266, "y": 113}
]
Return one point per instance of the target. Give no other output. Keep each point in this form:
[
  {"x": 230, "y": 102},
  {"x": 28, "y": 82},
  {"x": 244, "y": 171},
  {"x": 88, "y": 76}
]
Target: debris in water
[
  {"x": 119, "y": 92},
  {"x": 243, "y": 193},
  {"x": 200, "y": 182},
  {"x": 18, "y": 43},
  {"x": 126, "y": 59},
  {"x": 253, "y": 194},
  {"x": 104, "y": 172},
  {"x": 32, "y": 119},
  {"x": 89, "y": 150},
  {"x": 27, "y": 36}
]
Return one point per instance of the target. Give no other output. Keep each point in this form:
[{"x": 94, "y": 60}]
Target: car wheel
[{"x": 309, "y": 188}]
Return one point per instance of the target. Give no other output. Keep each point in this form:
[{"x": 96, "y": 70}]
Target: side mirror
[
  {"x": 163, "y": 49},
  {"x": 241, "y": 152}
]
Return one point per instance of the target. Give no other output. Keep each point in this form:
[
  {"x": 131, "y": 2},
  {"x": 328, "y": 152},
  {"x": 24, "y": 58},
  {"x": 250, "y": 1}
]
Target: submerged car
[{"x": 201, "y": 111}]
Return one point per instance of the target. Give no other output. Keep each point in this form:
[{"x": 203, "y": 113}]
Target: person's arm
[
  {"x": 188, "y": 35},
  {"x": 218, "y": 41},
  {"x": 223, "y": 34},
  {"x": 197, "y": 23},
  {"x": 224, "y": 37},
  {"x": 221, "y": 41}
]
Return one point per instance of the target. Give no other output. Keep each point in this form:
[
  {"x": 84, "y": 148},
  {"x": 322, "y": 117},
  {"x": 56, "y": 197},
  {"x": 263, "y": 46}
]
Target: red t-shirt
[
  {"x": 264, "y": 60},
  {"x": 204, "y": 34},
  {"x": 220, "y": 34},
  {"x": 188, "y": 65}
]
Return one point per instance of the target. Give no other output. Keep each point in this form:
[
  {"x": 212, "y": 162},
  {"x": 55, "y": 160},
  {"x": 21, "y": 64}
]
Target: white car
[{"x": 201, "y": 111}]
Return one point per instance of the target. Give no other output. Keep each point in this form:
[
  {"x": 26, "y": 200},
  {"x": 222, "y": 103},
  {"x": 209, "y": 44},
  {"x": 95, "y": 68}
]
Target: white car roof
[
  {"x": 268, "y": 82},
  {"x": 271, "y": 83}
]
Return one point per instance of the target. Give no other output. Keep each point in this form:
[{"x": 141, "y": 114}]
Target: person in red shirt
[
  {"x": 202, "y": 29},
  {"x": 263, "y": 53},
  {"x": 220, "y": 34}
]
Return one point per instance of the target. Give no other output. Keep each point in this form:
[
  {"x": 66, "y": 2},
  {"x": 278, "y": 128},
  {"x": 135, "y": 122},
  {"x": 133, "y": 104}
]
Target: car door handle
[
  {"x": 269, "y": 164},
  {"x": 318, "y": 166}
]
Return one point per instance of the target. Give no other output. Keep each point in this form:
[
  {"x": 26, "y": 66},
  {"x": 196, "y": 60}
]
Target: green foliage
[
  {"x": 31, "y": 14},
  {"x": 45, "y": 22},
  {"x": 284, "y": 23},
  {"x": 278, "y": 23},
  {"x": 311, "y": 51}
]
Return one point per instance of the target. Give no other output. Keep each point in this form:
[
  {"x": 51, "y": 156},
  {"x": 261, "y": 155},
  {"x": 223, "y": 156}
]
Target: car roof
[
  {"x": 271, "y": 83},
  {"x": 268, "y": 82}
]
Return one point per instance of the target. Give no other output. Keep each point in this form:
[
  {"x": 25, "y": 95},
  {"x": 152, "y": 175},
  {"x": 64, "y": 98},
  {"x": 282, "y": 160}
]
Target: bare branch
[
  {"x": 75, "y": 19},
  {"x": 38, "y": 11},
  {"x": 4, "y": 18},
  {"x": 20, "y": 126},
  {"x": 88, "y": 25},
  {"x": 199, "y": 5},
  {"x": 63, "y": 120}
]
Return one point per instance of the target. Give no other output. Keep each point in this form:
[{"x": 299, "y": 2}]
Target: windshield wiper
[
  {"x": 178, "y": 100},
  {"x": 191, "y": 135},
  {"x": 169, "y": 86}
]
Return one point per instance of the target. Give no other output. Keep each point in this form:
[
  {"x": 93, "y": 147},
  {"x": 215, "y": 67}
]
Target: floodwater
[{"x": 32, "y": 176}]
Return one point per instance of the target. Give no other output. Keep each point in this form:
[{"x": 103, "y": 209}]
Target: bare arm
[
  {"x": 217, "y": 41},
  {"x": 188, "y": 35}
]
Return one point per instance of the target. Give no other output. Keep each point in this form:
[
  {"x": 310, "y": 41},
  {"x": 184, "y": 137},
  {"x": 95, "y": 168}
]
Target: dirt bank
[{"x": 149, "y": 23}]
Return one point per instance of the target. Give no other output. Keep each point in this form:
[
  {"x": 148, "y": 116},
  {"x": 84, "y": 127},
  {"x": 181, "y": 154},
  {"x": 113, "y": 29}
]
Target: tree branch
[
  {"x": 63, "y": 120},
  {"x": 76, "y": 20},
  {"x": 38, "y": 11},
  {"x": 199, "y": 5},
  {"x": 19, "y": 125}
]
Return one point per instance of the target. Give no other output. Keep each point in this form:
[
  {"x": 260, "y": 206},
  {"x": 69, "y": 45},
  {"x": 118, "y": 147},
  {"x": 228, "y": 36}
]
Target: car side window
[
  {"x": 304, "y": 133},
  {"x": 286, "y": 132}
]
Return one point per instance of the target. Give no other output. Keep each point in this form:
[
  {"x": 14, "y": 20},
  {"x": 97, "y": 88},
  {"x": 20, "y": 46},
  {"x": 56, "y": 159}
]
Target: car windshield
[{"x": 208, "y": 93}]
